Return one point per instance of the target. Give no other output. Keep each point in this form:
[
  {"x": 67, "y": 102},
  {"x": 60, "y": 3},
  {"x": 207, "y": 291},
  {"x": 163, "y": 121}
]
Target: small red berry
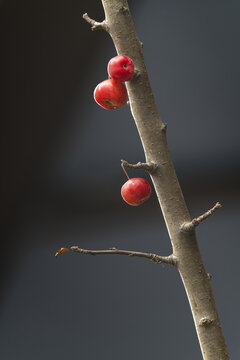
[
  {"x": 136, "y": 191},
  {"x": 110, "y": 94},
  {"x": 121, "y": 68}
]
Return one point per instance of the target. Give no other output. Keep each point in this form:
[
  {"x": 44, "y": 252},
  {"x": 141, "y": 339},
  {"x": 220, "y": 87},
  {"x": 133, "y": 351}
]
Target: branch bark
[{"x": 152, "y": 132}]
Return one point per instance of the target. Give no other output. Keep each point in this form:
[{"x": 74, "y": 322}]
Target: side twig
[
  {"x": 153, "y": 257},
  {"x": 95, "y": 24},
  {"x": 189, "y": 226},
  {"x": 148, "y": 166}
]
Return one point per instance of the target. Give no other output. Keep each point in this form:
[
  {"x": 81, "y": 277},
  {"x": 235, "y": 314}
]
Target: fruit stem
[{"x": 125, "y": 171}]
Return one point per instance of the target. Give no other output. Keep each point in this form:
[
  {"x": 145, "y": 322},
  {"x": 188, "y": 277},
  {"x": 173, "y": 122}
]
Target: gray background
[{"x": 61, "y": 180}]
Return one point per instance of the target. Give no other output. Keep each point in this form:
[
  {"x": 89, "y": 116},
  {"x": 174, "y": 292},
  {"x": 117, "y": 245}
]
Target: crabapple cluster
[{"x": 112, "y": 93}]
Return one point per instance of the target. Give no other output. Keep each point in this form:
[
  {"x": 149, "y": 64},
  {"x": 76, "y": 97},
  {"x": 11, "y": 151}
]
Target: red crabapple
[
  {"x": 110, "y": 94},
  {"x": 136, "y": 191},
  {"x": 121, "y": 68}
]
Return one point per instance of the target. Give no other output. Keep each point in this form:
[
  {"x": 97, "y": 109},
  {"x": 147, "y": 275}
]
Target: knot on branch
[
  {"x": 155, "y": 258},
  {"x": 205, "y": 321},
  {"x": 124, "y": 9},
  {"x": 164, "y": 128},
  {"x": 171, "y": 259},
  {"x": 209, "y": 276},
  {"x": 136, "y": 73}
]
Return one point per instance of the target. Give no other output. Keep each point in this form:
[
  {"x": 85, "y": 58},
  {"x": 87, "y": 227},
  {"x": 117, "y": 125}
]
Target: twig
[
  {"x": 153, "y": 257},
  {"x": 95, "y": 24},
  {"x": 149, "y": 166},
  {"x": 189, "y": 226}
]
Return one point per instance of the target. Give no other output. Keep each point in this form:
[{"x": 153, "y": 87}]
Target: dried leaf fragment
[{"x": 61, "y": 251}]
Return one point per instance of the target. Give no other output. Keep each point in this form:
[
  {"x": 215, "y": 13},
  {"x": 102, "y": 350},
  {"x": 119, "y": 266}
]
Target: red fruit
[
  {"x": 110, "y": 94},
  {"x": 121, "y": 68},
  {"x": 136, "y": 191}
]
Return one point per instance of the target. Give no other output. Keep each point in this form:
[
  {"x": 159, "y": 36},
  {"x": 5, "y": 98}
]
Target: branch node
[
  {"x": 136, "y": 73},
  {"x": 123, "y": 9},
  {"x": 95, "y": 25},
  {"x": 171, "y": 259},
  {"x": 190, "y": 226},
  {"x": 164, "y": 127},
  {"x": 205, "y": 321},
  {"x": 209, "y": 276},
  {"x": 148, "y": 166},
  {"x": 155, "y": 258}
]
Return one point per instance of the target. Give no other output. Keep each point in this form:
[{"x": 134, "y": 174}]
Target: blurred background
[{"x": 61, "y": 180}]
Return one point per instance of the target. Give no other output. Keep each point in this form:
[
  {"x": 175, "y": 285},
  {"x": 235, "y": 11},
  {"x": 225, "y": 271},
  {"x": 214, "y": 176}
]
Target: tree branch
[
  {"x": 153, "y": 257},
  {"x": 152, "y": 132},
  {"x": 95, "y": 25},
  {"x": 148, "y": 166},
  {"x": 189, "y": 226}
]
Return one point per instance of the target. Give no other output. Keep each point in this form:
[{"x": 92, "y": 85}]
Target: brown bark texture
[{"x": 152, "y": 131}]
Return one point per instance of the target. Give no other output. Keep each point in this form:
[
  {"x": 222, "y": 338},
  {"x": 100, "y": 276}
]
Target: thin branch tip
[{"x": 190, "y": 226}]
